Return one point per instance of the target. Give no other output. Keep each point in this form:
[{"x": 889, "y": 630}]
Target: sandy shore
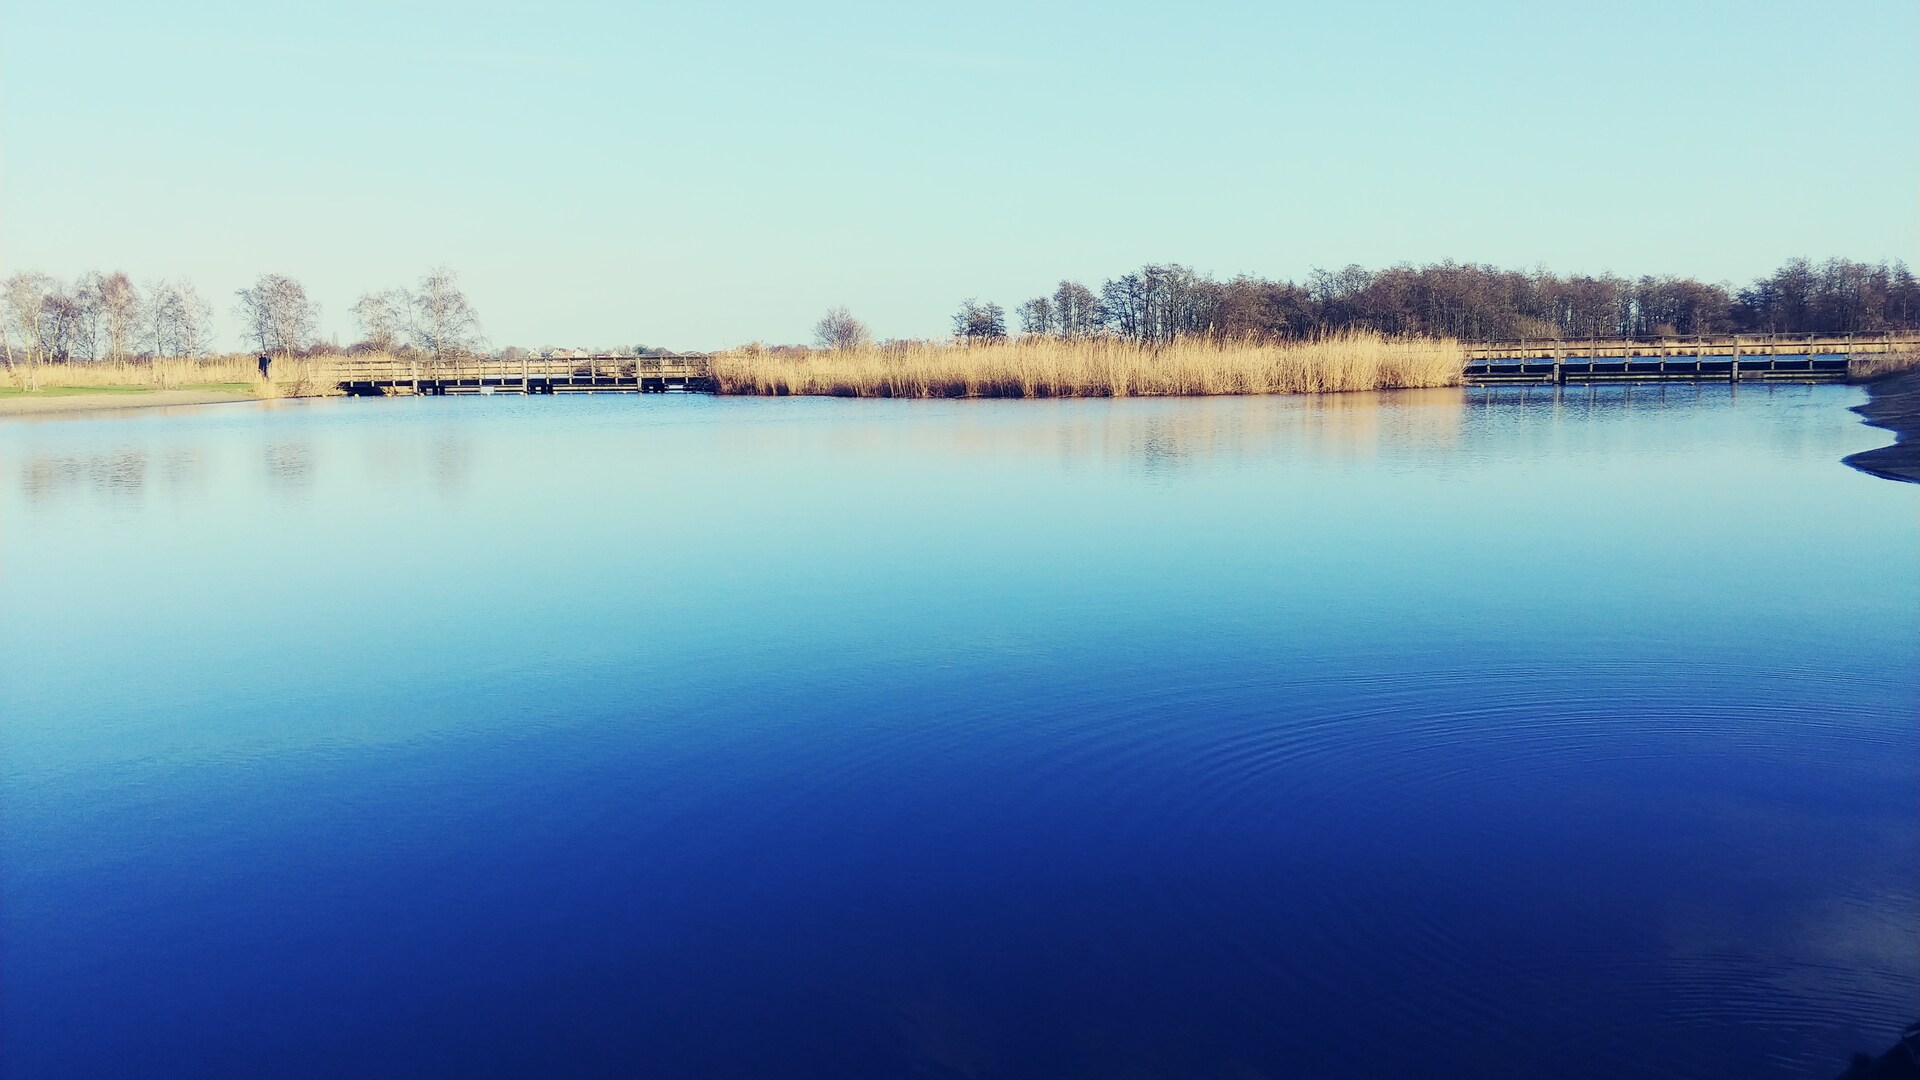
[
  {"x": 33, "y": 405},
  {"x": 1893, "y": 403}
]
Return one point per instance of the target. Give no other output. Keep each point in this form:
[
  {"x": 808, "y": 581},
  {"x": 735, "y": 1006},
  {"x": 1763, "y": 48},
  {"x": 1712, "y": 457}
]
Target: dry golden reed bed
[
  {"x": 1031, "y": 367},
  {"x": 291, "y": 378},
  {"x": 1871, "y": 366},
  {"x": 1048, "y": 367}
]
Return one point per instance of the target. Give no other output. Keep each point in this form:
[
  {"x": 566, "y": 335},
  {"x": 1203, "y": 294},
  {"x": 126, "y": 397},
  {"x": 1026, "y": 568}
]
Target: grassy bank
[{"x": 1048, "y": 367}]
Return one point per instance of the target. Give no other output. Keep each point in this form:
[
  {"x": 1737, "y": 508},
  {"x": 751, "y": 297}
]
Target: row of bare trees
[
  {"x": 436, "y": 318},
  {"x": 100, "y": 317},
  {"x": 1072, "y": 311},
  {"x": 1163, "y": 301},
  {"x": 105, "y": 317},
  {"x": 977, "y": 322}
]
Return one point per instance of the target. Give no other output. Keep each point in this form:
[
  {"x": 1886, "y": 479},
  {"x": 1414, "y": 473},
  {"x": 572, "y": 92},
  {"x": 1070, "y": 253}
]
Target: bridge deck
[
  {"x": 1772, "y": 356},
  {"x": 531, "y": 375},
  {"x": 1724, "y": 366}
]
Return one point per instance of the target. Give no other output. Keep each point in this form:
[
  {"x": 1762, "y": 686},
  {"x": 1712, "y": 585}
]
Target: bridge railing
[
  {"x": 1755, "y": 345},
  {"x": 388, "y": 369}
]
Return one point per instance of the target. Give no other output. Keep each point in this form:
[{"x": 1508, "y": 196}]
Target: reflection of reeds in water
[
  {"x": 120, "y": 473},
  {"x": 1157, "y": 433},
  {"x": 1172, "y": 435},
  {"x": 1051, "y": 367}
]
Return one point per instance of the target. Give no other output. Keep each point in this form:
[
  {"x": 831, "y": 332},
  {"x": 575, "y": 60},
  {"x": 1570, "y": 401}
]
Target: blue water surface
[{"x": 1490, "y": 733}]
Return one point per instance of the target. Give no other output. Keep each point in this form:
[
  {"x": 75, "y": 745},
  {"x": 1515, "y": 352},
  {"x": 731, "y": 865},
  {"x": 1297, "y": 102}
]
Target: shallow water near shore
[{"x": 1503, "y": 732}]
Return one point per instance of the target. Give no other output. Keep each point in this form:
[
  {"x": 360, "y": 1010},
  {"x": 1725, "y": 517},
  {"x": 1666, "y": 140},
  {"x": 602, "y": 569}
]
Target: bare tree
[
  {"x": 444, "y": 323},
  {"x": 109, "y": 316},
  {"x": 119, "y": 306},
  {"x": 157, "y": 319},
  {"x": 277, "y": 315},
  {"x": 1076, "y": 311},
  {"x": 1159, "y": 302},
  {"x": 1037, "y": 317},
  {"x": 25, "y": 294},
  {"x": 838, "y": 329},
  {"x": 383, "y": 317},
  {"x": 196, "y": 320},
  {"x": 60, "y": 314},
  {"x": 977, "y": 322},
  {"x": 176, "y": 322},
  {"x": 90, "y": 329}
]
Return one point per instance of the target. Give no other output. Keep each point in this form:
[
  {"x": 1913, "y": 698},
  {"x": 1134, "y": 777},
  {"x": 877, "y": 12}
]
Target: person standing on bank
[{"x": 266, "y": 364}]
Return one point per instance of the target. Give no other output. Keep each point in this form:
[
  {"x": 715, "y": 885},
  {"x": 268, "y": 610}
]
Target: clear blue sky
[{"x": 698, "y": 175}]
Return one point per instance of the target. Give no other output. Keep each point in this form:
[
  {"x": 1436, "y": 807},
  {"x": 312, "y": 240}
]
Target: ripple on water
[{"x": 1256, "y": 780}]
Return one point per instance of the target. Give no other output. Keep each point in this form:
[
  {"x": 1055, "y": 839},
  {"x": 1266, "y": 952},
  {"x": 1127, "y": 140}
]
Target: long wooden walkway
[
  {"x": 1747, "y": 356},
  {"x": 1820, "y": 357},
  {"x": 529, "y": 375}
]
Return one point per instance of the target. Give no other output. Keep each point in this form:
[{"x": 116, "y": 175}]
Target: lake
[{"x": 1496, "y": 732}]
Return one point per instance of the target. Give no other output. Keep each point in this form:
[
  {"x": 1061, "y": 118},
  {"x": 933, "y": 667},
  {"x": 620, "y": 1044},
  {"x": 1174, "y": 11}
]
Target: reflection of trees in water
[
  {"x": 443, "y": 462},
  {"x": 120, "y": 474},
  {"x": 290, "y": 465},
  {"x": 184, "y": 470},
  {"x": 452, "y": 462}
]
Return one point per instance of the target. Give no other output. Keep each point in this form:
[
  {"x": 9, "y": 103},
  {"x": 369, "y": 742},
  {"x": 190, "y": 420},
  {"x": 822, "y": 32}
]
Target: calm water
[{"x": 1491, "y": 734}]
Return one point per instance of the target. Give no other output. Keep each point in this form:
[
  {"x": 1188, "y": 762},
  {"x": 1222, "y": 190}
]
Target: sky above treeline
[{"x": 697, "y": 176}]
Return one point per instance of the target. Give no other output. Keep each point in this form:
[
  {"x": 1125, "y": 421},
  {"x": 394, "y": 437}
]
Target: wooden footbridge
[
  {"x": 1798, "y": 357},
  {"x": 608, "y": 373}
]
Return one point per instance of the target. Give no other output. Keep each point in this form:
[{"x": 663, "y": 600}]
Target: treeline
[
  {"x": 1161, "y": 302},
  {"x": 100, "y": 316}
]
